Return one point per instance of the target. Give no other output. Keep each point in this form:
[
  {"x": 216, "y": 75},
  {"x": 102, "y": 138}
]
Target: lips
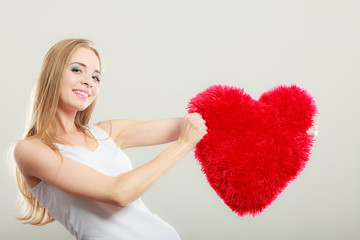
[{"x": 81, "y": 93}]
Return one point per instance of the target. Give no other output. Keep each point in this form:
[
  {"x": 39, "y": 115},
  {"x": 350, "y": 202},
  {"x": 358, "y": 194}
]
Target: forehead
[{"x": 86, "y": 56}]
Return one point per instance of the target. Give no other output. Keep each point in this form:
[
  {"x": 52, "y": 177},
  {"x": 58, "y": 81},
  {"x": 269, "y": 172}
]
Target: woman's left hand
[{"x": 314, "y": 128}]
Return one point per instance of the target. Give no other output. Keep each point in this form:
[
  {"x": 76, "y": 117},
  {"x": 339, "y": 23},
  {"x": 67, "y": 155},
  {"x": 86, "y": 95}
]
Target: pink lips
[{"x": 77, "y": 92}]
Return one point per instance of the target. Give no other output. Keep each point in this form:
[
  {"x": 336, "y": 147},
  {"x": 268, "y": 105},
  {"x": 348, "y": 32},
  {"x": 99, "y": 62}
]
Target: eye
[
  {"x": 76, "y": 69},
  {"x": 97, "y": 78}
]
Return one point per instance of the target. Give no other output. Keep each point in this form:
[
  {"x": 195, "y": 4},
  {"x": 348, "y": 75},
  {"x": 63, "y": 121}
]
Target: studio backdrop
[{"x": 157, "y": 55}]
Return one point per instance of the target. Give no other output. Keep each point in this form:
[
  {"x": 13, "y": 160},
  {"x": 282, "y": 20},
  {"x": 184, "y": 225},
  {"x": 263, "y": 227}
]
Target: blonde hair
[{"x": 42, "y": 122}]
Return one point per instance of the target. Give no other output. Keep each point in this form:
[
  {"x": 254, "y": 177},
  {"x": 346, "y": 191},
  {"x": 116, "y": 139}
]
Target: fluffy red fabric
[{"x": 253, "y": 149}]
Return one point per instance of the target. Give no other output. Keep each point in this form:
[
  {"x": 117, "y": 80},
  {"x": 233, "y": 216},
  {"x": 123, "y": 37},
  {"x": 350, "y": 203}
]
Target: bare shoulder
[
  {"x": 31, "y": 154},
  {"x": 104, "y": 125},
  {"x": 117, "y": 123},
  {"x": 115, "y": 127},
  {"x": 28, "y": 150},
  {"x": 30, "y": 145},
  {"x": 25, "y": 147},
  {"x": 118, "y": 129}
]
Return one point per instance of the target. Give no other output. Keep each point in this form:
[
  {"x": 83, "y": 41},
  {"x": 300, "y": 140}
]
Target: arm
[
  {"x": 132, "y": 133},
  {"x": 35, "y": 160}
]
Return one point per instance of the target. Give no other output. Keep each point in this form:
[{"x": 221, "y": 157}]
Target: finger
[{"x": 316, "y": 131}]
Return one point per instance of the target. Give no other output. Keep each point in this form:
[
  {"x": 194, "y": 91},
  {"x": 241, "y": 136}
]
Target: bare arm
[
  {"x": 35, "y": 160},
  {"x": 132, "y": 133}
]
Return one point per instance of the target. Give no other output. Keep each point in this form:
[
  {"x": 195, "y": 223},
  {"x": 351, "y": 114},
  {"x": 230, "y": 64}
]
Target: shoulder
[
  {"x": 25, "y": 146},
  {"x": 115, "y": 127},
  {"x": 30, "y": 144},
  {"x": 104, "y": 125},
  {"x": 118, "y": 129},
  {"x": 27, "y": 151}
]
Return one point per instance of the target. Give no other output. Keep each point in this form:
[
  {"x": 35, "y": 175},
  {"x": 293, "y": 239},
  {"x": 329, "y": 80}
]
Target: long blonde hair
[{"x": 42, "y": 122}]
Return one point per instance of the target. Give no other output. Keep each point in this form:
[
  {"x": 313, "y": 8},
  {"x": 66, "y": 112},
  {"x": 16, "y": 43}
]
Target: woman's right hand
[{"x": 193, "y": 128}]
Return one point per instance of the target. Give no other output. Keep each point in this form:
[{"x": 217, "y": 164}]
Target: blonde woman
[{"x": 76, "y": 173}]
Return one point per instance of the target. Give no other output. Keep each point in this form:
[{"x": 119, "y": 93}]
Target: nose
[{"x": 88, "y": 81}]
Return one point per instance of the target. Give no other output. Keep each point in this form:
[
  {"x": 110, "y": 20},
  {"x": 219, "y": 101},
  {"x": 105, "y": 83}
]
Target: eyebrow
[{"x": 84, "y": 65}]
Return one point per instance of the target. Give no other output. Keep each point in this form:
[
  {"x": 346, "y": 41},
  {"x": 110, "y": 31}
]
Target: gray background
[{"x": 158, "y": 54}]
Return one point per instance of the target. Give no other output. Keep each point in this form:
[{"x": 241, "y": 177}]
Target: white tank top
[{"x": 92, "y": 220}]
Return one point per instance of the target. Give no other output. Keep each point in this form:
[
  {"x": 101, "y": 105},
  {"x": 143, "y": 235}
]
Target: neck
[{"x": 65, "y": 122}]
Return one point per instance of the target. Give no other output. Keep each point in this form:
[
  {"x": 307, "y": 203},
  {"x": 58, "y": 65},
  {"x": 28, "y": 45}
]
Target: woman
[{"x": 77, "y": 174}]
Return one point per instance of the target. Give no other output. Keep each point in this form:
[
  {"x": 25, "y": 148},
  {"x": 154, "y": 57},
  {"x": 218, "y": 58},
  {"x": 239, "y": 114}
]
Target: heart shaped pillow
[{"x": 253, "y": 149}]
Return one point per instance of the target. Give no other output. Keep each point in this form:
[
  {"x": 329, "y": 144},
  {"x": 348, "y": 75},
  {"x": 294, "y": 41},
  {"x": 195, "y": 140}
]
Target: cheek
[
  {"x": 95, "y": 91},
  {"x": 68, "y": 80}
]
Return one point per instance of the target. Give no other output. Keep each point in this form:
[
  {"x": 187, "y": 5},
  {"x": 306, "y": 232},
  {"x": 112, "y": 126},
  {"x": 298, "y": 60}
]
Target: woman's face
[{"x": 80, "y": 82}]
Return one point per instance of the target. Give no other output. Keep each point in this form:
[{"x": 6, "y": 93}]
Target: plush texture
[{"x": 253, "y": 148}]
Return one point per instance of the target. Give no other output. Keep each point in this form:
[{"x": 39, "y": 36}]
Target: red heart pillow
[{"x": 253, "y": 149}]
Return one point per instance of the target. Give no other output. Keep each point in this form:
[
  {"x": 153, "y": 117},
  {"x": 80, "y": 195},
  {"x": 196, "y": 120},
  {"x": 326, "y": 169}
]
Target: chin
[{"x": 82, "y": 108}]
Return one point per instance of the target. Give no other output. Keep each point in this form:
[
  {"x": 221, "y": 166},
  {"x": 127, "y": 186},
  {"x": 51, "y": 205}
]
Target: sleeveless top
[{"x": 92, "y": 220}]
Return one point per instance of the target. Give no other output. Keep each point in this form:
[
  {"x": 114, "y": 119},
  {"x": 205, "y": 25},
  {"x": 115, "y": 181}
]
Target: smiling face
[{"x": 80, "y": 82}]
